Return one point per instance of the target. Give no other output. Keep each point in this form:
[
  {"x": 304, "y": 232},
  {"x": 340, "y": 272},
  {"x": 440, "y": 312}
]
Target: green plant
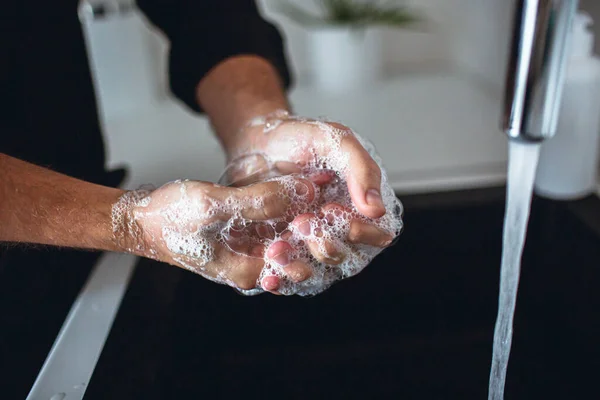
[{"x": 356, "y": 13}]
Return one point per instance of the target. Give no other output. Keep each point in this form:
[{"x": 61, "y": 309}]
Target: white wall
[
  {"x": 404, "y": 48},
  {"x": 469, "y": 34},
  {"x": 439, "y": 123}
]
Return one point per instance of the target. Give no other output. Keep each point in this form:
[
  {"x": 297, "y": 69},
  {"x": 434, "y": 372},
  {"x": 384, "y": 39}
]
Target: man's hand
[
  {"x": 297, "y": 141},
  {"x": 294, "y": 142},
  {"x": 193, "y": 225}
]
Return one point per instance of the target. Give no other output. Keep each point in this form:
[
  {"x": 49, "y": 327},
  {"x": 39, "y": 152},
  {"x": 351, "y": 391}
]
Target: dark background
[{"x": 417, "y": 323}]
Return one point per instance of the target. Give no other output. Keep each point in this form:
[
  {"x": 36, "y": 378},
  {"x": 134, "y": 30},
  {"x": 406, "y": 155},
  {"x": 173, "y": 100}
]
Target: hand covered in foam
[
  {"x": 215, "y": 231},
  {"x": 285, "y": 144},
  {"x": 355, "y": 213}
]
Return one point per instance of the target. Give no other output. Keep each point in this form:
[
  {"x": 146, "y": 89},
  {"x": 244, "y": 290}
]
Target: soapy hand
[
  {"x": 198, "y": 226},
  {"x": 292, "y": 142},
  {"x": 322, "y": 210},
  {"x": 281, "y": 144}
]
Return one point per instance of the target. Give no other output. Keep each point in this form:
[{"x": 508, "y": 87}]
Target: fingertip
[
  {"x": 278, "y": 247},
  {"x": 302, "y": 218},
  {"x": 368, "y": 202},
  {"x": 375, "y": 203},
  {"x": 270, "y": 283},
  {"x": 302, "y": 223},
  {"x": 364, "y": 179}
]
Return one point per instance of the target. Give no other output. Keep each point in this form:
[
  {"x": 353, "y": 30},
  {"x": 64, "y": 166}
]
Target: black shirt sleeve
[{"x": 205, "y": 32}]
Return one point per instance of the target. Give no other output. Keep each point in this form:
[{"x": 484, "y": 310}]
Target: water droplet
[{"x": 58, "y": 396}]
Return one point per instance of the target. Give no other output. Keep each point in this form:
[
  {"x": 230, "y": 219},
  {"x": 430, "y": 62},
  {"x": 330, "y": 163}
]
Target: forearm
[
  {"x": 237, "y": 90},
  {"x": 41, "y": 206}
]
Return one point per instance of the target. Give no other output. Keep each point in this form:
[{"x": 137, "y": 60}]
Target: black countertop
[{"x": 417, "y": 323}]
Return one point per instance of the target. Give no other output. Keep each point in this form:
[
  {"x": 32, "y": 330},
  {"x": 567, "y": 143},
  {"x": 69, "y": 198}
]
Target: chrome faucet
[{"x": 535, "y": 73}]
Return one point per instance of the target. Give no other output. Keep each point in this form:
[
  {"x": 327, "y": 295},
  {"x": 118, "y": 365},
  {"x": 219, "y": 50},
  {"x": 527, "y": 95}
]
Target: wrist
[
  {"x": 127, "y": 232},
  {"x": 251, "y": 136},
  {"x": 237, "y": 90}
]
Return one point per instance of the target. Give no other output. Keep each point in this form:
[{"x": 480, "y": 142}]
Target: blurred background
[{"x": 427, "y": 94}]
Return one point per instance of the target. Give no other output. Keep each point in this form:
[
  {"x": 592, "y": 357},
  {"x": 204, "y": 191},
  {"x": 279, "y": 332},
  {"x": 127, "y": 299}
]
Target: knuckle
[{"x": 299, "y": 274}]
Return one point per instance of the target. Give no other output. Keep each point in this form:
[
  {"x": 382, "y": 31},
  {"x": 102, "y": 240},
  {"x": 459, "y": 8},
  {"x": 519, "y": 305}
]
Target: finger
[
  {"x": 273, "y": 199},
  {"x": 297, "y": 271},
  {"x": 271, "y": 284},
  {"x": 241, "y": 271},
  {"x": 236, "y": 270},
  {"x": 364, "y": 179},
  {"x": 364, "y": 175},
  {"x": 303, "y": 223},
  {"x": 362, "y": 232},
  {"x": 288, "y": 168},
  {"x": 325, "y": 251},
  {"x": 322, "y": 249},
  {"x": 280, "y": 252}
]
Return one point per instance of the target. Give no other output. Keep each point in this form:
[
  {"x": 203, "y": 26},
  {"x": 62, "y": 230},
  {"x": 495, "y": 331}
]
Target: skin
[
  {"x": 41, "y": 206},
  {"x": 242, "y": 270}
]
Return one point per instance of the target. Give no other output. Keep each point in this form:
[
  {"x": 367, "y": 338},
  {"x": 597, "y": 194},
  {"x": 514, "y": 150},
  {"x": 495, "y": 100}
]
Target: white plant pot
[{"x": 344, "y": 59}]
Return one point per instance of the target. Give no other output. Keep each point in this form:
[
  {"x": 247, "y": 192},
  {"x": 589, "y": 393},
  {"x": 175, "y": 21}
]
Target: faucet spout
[{"x": 535, "y": 73}]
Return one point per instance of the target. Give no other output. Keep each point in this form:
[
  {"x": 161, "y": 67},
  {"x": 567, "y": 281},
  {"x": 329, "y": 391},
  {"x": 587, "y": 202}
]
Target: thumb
[{"x": 364, "y": 179}]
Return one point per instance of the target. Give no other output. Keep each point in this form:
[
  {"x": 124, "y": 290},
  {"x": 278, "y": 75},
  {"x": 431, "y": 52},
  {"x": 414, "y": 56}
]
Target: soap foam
[
  {"x": 194, "y": 224},
  {"x": 332, "y": 225}
]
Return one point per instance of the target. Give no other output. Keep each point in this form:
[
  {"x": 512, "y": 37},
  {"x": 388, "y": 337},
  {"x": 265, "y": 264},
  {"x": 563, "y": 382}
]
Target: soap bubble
[{"x": 333, "y": 223}]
